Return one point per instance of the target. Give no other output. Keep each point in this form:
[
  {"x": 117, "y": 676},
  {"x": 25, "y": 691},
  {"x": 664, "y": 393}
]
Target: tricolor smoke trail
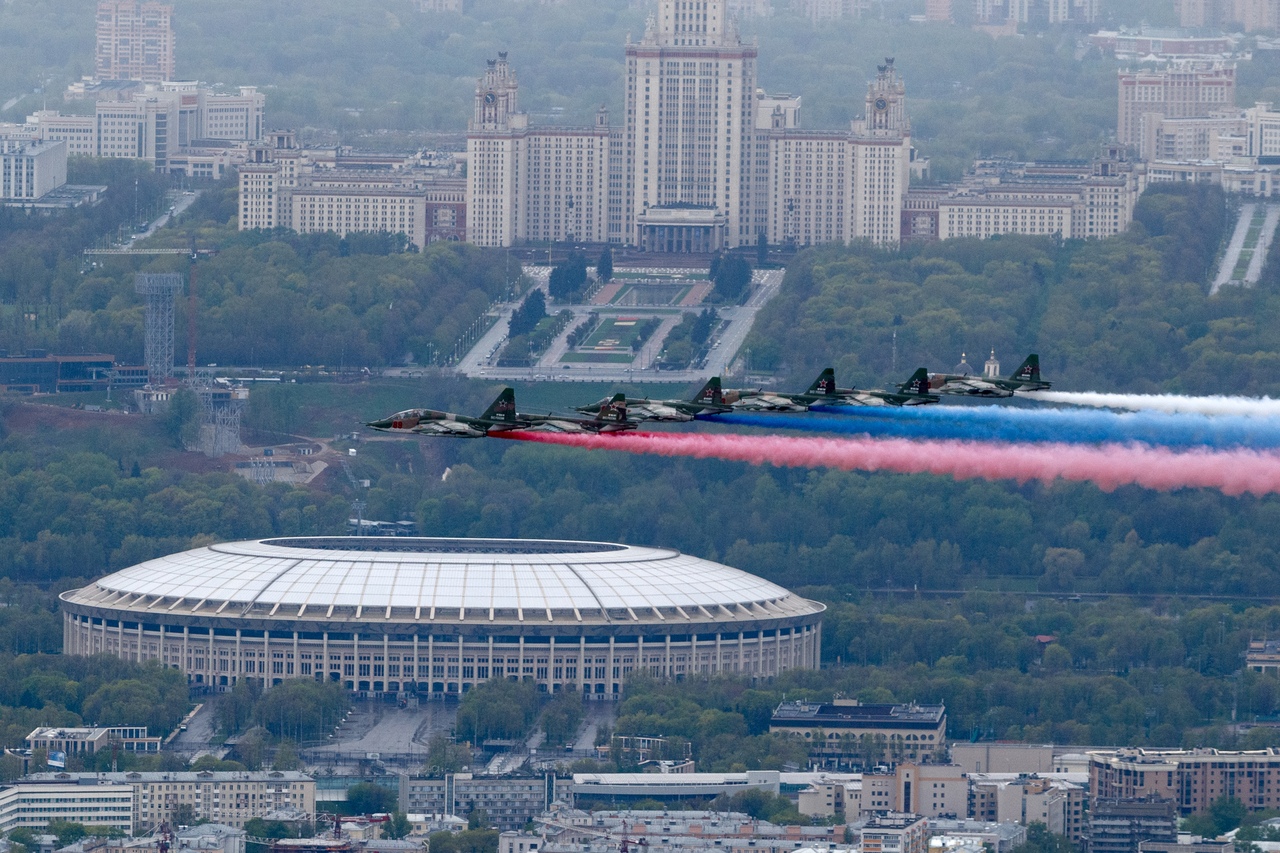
[
  {"x": 1001, "y": 423},
  {"x": 1255, "y": 407},
  {"x": 1233, "y": 472}
]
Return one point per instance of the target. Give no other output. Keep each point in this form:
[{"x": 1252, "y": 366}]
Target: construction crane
[{"x": 194, "y": 254}]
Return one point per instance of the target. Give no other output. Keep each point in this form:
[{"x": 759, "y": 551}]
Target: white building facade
[{"x": 703, "y": 160}]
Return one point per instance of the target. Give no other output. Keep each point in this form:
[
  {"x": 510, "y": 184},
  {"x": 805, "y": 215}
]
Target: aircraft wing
[
  {"x": 457, "y": 429},
  {"x": 858, "y": 398},
  {"x": 971, "y": 386},
  {"x": 557, "y": 425},
  {"x": 768, "y": 403},
  {"x": 656, "y": 412}
]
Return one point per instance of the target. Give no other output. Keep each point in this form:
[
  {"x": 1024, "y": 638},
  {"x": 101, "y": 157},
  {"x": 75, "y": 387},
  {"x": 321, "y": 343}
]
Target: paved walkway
[
  {"x": 481, "y": 360},
  {"x": 1264, "y": 245},
  {"x": 1258, "y": 258}
]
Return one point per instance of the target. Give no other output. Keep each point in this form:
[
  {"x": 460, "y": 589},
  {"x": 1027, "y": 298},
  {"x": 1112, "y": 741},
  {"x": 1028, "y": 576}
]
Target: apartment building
[
  {"x": 1182, "y": 89},
  {"x": 30, "y": 170},
  {"x": 1023, "y": 798},
  {"x": 1191, "y": 779},
  {"x": 134, "y": 41},
  {"x": 930, "y": 790},
  {"x": 222, "y": 797},
  {"x": 510, "y": 802},
  {"x": 895, "y": 832},
  {"x": 1122, "y": 825}
]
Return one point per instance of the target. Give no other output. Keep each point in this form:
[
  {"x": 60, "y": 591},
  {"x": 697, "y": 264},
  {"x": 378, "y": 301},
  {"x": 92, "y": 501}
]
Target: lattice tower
[{"x": 161, "y": 290}]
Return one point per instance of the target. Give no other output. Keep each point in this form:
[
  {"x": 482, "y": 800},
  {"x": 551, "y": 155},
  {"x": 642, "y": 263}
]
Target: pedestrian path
[{"x": 1246, "y": 253}]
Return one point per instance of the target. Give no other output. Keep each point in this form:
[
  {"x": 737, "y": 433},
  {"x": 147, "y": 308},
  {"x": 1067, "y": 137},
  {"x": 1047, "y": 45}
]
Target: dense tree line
[
  {"x": 1130, "y": 313},
  {"x": 74, "y": 501},
  {"x": 266, "y": 298},
  {"x": 53, "y": 690},
  {"x": 688, "y": 339}
]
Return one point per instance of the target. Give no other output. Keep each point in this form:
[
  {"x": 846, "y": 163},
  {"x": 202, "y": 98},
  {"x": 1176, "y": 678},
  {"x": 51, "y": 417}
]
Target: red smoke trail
[{"x": 1107, "y": 466}]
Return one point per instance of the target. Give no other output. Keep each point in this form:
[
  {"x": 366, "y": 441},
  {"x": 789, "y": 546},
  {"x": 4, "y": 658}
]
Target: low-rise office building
[
  {"x": 846, "y": 729},
  {"x": 87, "y": 741},
  {"x": 225, "y": 797},
  {"x": 36, "y": 805}
]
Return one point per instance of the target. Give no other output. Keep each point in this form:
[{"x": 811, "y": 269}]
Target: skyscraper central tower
[{"x": 690, "y": 121}]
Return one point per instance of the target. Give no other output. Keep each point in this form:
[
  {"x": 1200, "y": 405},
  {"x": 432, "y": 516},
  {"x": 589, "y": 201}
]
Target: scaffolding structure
[
  {"x": 221, "y": 408},
  {"x": 161, "y": 291}
]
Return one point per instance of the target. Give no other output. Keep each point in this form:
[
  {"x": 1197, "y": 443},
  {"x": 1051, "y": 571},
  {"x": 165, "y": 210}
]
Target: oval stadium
[{"x": 437, "y": 616}]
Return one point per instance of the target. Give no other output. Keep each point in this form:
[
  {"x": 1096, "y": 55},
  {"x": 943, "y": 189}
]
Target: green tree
[
  {"x": 182, "y": 418},
  {"x": 1041, "y": 840},
  {"x": 397, "y": 826},
  {"x": 604, "y": 266},
  {"x": 732, "y": 276},
  {"x": 269, "y": 829},
  {"x": 497, "y": 709},
  {"x": 445, "y": 756},
  {"x": 68, "y": 832},
  {"x": 370, "y": 798}
]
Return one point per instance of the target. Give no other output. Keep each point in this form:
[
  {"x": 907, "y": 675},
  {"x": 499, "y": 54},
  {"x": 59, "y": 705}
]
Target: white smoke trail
[{"x": 1257, "y": 407}]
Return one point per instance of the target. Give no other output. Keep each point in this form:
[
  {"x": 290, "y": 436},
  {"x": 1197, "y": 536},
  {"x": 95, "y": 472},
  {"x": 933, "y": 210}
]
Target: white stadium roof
[{"x": 458, "y": 579}]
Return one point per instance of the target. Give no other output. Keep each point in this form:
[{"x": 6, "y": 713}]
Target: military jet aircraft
[
  {"x": 706, "y": 401},
  {"x": 1025, "y": 378},
  {"x": 823, "y": 392},
  {"x": 501, "y": 416},
  {"x": 611, "y": 416},
  {"x": 431, "y": 422}
]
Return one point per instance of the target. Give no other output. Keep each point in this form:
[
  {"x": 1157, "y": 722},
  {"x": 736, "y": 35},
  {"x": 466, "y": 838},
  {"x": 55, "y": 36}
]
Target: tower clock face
[
  {"x": 489, "y": 97},
  {"x": 881, "y": 104}
]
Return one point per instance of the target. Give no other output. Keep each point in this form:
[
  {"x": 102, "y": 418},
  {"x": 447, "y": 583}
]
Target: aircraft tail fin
[
  {"x": 918, "y": 383},
  {"x": 1028, "y": 371},
  {"x": 825, "y": 384},
  {"x": 615, "y": 410},
  {"x": 711, "y": 393},
  {"x": 503, "y": 409}
]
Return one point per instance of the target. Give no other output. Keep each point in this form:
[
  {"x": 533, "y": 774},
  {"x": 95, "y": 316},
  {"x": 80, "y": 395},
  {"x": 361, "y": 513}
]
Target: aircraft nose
[{"x": 385, "y": 423}]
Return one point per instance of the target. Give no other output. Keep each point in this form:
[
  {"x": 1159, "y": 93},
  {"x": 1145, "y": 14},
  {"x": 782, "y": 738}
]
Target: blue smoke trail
[{"x": 999, "y": 423}]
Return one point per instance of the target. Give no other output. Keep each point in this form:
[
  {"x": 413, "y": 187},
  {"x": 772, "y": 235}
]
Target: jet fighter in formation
[
  {"x": 501, "y": 416},
  {"x": 620, "y": 413},
  {"x": 1025, "y": 378},
  {"x": 708, "y": 401}
]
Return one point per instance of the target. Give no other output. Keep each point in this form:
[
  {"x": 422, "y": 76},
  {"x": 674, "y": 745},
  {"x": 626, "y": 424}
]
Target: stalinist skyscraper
[
  {"x": 689, "y": 127},
  {"x": 702, "y": 161}
]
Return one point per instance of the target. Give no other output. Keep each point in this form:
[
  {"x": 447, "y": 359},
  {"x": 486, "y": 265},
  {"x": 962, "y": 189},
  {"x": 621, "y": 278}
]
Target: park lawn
[
  {"x": 618, "y": 332},
  {"x": 597, "y": 358}
]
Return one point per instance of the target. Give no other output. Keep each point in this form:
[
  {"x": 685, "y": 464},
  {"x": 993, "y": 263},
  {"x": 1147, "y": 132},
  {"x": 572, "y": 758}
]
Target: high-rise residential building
[
  {"x": 135, "y": 41},
  {"x": 1183, "y": 89},
  {"x": 823, "y": 10}
]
